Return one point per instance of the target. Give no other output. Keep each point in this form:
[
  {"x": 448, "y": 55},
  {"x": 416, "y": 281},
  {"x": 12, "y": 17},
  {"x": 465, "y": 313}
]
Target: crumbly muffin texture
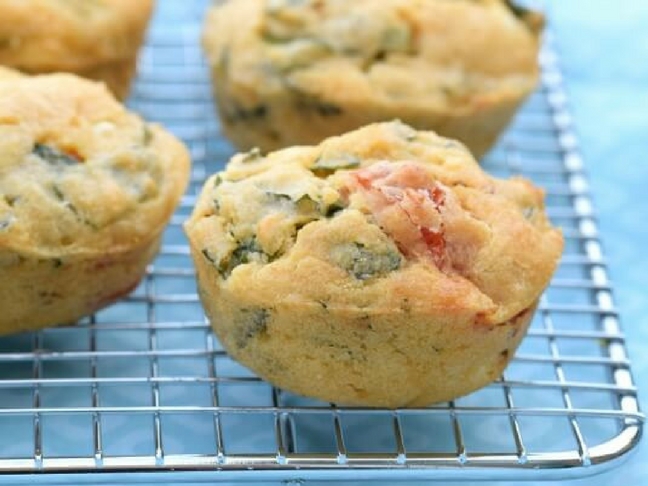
[
  {"x": 96, "y": 39},
  {"x": 294, "y": 72},
  {"x": 86, "y": 189},
  {"x": 380, "y": 268},
  {"x": 7, "y": 74}
]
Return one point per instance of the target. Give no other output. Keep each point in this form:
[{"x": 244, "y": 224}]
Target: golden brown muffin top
[
  {"x": 47, "y": 35},
  {"x": 382, "y": 217},
  {"x": 80, "y": 175},
  {"x": 447, "y": 53}
]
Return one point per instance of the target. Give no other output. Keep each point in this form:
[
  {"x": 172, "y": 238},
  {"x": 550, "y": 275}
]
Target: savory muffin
[
  {"x": 86, "y": 189},
  {"x": 380, "y": 268},
  {"x": 291, "y": 72},
  {"x": 96, "y": 39}
]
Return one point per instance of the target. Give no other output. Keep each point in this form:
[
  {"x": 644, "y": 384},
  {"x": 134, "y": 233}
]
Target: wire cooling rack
[{"x": 144, "y": 387}]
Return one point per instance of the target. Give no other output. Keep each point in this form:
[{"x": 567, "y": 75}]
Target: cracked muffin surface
[
  {"x": 294, "y": 72},
  {"x": 86, "y": 189},
  {"x": 382, "y": 267},
  {"x": 96, "y": 39}
]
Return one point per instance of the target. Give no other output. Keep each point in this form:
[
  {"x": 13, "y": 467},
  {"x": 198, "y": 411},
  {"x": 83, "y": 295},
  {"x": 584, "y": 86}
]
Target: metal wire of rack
[{"x": 144, "y": 387}]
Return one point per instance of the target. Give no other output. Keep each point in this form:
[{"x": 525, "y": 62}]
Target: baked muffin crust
[
  {"x": 290, "y": 73},
  {"x": 86, "y": 189},
  {"x": 380, "y": 268},
  {"x": 98, "y": 39}
]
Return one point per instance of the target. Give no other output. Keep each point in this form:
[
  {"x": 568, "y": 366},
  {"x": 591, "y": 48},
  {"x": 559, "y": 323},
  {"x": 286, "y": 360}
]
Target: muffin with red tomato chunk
[
  {"x": 86, "y": 189},
  {"x": 380, "y": 268},
  {"x": 293, "y": 72},
  {"x": 96, "y": 39}
]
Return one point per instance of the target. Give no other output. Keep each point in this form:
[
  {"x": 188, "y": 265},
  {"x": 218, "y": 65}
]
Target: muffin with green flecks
[
  {"x": 289, "y": 72},
  {"x": 381, "y": 268},
  {"x": 96, "y": 39},
  {"x": 86, "y": 189}
]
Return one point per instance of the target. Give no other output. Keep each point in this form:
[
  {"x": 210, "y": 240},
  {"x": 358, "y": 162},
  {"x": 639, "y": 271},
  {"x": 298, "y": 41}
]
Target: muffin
[
  {"x": 380, "y": 268},
  {"x": 86, "y": 189},
  {"x": 96, "y": 39},
  {"x": 291, "y": 73}
]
